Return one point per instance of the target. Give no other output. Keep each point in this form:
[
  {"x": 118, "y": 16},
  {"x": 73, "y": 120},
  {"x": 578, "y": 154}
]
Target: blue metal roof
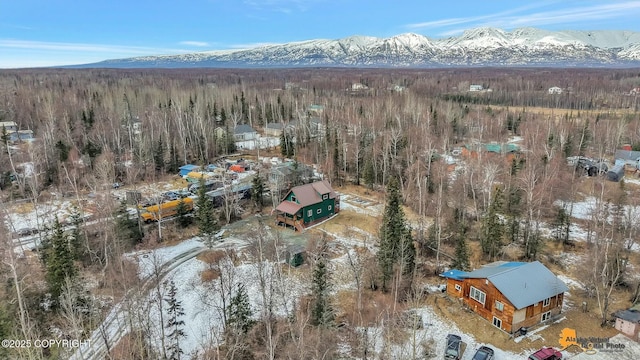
[
  {"x": 523, "y": 284},
  {"x": 188, "y": 167},
  {"x": 454, "y": 274}
]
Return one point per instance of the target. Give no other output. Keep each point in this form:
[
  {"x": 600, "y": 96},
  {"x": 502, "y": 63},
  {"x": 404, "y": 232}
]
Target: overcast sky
[{"x": 63, "y": 32}]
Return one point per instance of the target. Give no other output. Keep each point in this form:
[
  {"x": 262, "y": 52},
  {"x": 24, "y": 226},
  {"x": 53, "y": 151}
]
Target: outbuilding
[{"x": 186, "y": 169}]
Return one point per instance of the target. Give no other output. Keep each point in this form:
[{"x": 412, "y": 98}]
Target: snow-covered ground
[
  {"x": 26, "y": 216},
  {"x": 264, "y": 142}
]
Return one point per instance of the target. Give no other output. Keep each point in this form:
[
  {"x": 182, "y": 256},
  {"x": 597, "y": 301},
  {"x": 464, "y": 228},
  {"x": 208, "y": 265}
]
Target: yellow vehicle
[{"x": 164, "y": 210}]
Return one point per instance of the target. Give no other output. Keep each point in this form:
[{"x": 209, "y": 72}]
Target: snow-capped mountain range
[{"x": 475, "y": 47}]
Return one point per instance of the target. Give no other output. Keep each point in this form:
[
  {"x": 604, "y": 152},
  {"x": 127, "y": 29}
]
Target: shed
[
  {"x": 628, "y": 322},
  {"x": 616, "y": 173},
  {"x": 295, "y": 254},
  {"x": 186, "y": 169}
]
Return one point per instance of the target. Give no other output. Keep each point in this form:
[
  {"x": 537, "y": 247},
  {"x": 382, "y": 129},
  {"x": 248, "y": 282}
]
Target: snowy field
[{"x": 37, "y": 218}]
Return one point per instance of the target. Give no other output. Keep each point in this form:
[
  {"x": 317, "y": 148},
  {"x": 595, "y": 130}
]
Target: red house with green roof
[{"x": 308, "y": 204}]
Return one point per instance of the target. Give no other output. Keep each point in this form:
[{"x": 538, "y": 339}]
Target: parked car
[
  {"x": 483, "y": 353},
  {"x": 452, "y": 351},
  {"x": 170, "y": 196},
  {"x": 25, "y": 232},
  {"x": 546, "y": 353}
]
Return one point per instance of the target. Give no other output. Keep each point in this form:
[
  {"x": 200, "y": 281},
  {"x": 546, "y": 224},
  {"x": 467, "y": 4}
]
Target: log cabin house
[
  {"x": 308, "y": 204},
  {"x": 512, "y": 295}
]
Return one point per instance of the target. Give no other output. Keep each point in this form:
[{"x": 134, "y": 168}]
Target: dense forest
[{"x": 395, "y": 134}]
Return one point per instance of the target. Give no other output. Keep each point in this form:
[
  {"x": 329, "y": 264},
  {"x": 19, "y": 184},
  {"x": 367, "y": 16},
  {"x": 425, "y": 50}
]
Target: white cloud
[
  {"x": 195, "y": 43},
  {"x": 520, "y": 17},
  {"x": 81, "y": 47}
]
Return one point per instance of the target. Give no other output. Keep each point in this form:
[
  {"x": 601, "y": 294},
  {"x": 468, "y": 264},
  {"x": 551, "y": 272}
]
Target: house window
[
  {"x": 310, "y": 213},
  {"x": 546, "y": 302},
  {"x": 497, "y": 322},
  {"x": 546, "y": 316},
  {"x": 477, "y": 295},
  {"x": 499, "y": 306},
  {"x": 458, "y": 287},
  {"x": 325, "y": 196},
  {"x": 293, "y": 198},
  {"x": 318, "y": 211},
  {"x": 329, "y": 207}
]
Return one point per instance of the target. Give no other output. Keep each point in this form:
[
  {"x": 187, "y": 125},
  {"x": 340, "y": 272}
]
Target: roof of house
[
  {"x": 306, "y": 195},
  {"x": 628, "y": 315},
  {"x": 310, "y": 194},
  {"x": 627, "y": 155},
  {"x": 243, "y": 129},
  {"x": 276, "y": 126},
  {"x": 523, "y": 284},
  {"x": 189, "y": 167},
  {"x": 8, "y": 123},
  {"x": 289, "y": 207}
]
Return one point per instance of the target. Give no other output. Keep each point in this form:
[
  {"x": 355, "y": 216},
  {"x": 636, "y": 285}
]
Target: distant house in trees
[
  {"x": 512, "y": 295},
  {"x": 475, "y": 87},
  {"x": 315, "y": 109},
  {"x": 358, "y": 87},
  {"x": 308, "y": 204},
  {"x": 283, "y": 176},
  {"x": 555, "y": 90},
  {"x": 273, "y": 129},
  {"x": 244, "y": 132},
  {"x": 9, "y": 126},
  {"x": 635, "y": 91},
  {"x": 21, "y": 135}
]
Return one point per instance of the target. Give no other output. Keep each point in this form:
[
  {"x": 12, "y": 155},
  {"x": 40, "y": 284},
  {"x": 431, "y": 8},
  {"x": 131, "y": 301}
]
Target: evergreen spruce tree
[
  {"x": 239, "y": 312},
  {"x": 257, "y": 189},
  {"x": 322, "y": 313},
  {"x": 75, "y": 235},
  {"x": 283, "y": 144},
  {"x": 461, "y": 260},
  {"x": 396, "y": 244},
  {"x": 205, "y": 215},
  {"x": 158, "y": 155},
  {"x": 492, "y": 227},
  {"x": 369, "y": 174},
  {"x": 4, "y": 137},
  {"x": 174, "y": 163},
  {"x": 59, "y": 260},
  {"x": 174, "y": 323},
  {"x": 182, "y": 213},
  {"x": 126, "y": 229},
  {"x": 561, "y": 225}
]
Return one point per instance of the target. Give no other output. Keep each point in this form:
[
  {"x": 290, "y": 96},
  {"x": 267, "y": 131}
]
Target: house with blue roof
[{"x": 512, "y": 295}]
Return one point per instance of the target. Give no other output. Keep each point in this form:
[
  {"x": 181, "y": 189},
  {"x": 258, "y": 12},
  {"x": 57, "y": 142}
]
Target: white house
[
  {"x": 9, "y": 126},
  {"x": 475, "y": 87},
  {"x": 555, "y": 90},
  {"x": 244, "y": 132},
  {"x": 358, "y": 87},
  {"x": 635, "y": 91}
]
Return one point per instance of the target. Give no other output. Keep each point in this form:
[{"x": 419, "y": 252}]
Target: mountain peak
[{"x": 481, "y": 46}]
